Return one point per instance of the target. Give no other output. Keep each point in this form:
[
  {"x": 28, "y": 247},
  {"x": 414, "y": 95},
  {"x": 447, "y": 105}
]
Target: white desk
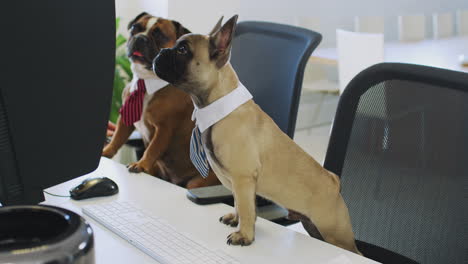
[
  {"x": 441, "y": 53},
  {"x": 273, "y": 243}
]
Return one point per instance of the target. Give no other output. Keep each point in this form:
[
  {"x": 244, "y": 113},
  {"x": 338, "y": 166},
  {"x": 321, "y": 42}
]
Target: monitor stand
[{"x": 27, "y": 196}]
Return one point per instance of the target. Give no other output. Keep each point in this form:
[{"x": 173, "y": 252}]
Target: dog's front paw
[
  {"x": 139, "y": 166},
  {"x": 134, "y": 167},
  {"x": 230, "y": 219},
  {"x": 238, "y": 238}
]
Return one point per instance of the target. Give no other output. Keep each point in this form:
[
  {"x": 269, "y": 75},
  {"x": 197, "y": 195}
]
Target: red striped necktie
[{"x": 131, "y": 110}]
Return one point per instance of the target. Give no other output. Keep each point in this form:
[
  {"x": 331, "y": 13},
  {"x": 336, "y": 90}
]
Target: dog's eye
[
  {"x": 135, "y": 29},
  {"x": 182, "y": 50},
  {"x": 159, "y": 36}
]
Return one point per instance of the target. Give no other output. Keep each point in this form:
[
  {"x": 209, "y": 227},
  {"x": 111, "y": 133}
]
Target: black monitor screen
[{"x": 55, "y": 92}]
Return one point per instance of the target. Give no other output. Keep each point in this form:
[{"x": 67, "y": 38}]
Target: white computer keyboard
[{"x": 153, "y": 235}]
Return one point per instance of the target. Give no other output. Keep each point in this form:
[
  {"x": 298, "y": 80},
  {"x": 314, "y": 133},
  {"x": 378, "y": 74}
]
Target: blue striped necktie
[{"x": 198, "y": 154}]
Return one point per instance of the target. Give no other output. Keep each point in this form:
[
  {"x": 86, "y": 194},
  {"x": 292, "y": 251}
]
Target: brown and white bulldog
[
  {"x": 160, "y": 112},
  {"x": 246, "y": 149}
]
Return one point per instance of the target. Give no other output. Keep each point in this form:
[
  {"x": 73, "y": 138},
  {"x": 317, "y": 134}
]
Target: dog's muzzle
[
  {"x": 141, "y": 49},
  {"x": 164, "y": 67}
]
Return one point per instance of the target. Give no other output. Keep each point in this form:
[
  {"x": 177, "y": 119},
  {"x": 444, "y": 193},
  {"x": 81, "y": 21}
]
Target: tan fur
[{"x": 251, "y": 155}]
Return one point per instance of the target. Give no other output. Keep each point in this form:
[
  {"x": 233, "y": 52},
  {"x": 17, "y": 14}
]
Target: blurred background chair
[
  {"x": 462, "y": 22},
  {"x": 399, "y": 143},
  {"x": 411, "y": 27},
  {"x": 369, "y": 24},
  {"x": 442, "y": 25},
  {"x": 357, "y": 51}
]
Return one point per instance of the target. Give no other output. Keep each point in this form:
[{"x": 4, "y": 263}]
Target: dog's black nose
[{"x": 162, "y": 65}]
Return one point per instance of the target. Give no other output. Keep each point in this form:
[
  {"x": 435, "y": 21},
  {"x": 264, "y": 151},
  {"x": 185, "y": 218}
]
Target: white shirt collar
[
  {"x": 152, "y": 85},
  {"x": 209, "y": 115}
]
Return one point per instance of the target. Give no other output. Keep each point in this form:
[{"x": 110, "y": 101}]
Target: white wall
[
  {"x": 126, "y": 10},
  {"x": 197, "y": 15},
  {"x": 200, "y": 15},
  {"x": 340, "y": 13}
]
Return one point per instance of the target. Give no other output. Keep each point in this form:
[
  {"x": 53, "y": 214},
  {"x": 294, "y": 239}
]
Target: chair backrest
[
  {"x": 399, "y": 143},
  {"x": 442, "y": 25},
  {"x": 369, "y": 24},
  {"x": 270, "y": 60},
  {"x": 411, "y": 27},
  {"x": 462, "y": 22},
  {"x": 357, "y": 51}
]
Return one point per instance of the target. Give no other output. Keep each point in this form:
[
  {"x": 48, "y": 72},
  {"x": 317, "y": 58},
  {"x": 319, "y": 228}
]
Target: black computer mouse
[{"x": 94, "y": 187}]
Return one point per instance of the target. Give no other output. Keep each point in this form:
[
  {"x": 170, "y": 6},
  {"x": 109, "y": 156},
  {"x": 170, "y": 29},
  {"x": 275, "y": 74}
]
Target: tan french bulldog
[{"x": 246, "y": 149}]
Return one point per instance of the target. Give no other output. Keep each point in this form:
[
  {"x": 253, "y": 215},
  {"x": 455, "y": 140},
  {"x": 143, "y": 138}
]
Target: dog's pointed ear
[
  {"x": 220, "y": 42},
  {"x": 130, "y": 24},
  {"x": 217, "y": 26},
  {"x": 179, "y": 29}
]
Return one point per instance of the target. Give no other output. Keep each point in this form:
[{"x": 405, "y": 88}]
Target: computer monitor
[{"x": 55, "y": 92}]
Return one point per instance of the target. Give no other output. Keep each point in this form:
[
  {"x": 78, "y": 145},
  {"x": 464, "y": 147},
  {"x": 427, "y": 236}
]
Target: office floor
[
  {"x": 317, "y": 107},
  {"x": 314, "y": 141}
]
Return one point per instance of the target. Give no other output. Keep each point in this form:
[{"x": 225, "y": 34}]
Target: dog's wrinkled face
[
  {"x": 148, "y": 35},
  {"x": 194, "y": 62}
]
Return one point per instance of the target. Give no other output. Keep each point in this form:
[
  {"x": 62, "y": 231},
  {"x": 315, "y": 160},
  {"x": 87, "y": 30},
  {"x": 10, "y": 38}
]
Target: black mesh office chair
[
  {"x": 400, "y": 144},
  {"x": 270, "y": 60}
]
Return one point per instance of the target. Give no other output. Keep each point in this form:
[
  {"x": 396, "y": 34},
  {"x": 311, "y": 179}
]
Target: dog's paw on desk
[
  {"x": 230, "y": 219},
  {"x": 238, "y": 238},
  {"x": 140, "y": 166}
]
